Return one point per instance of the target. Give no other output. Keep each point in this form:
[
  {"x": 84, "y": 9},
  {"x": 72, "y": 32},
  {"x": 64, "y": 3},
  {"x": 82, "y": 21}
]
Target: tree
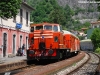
[
  {"x": 95, "y": 37},
  {"x": 51, "y": 11},
  {"x": 9, "y": 8},
  {"x": 98, "y": 3},
  {"x": 57, "y": 16},
  {"x": 33, "y": 3},
  {"x": 68, "y": 13}
]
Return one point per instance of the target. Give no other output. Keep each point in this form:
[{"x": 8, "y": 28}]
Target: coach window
[{"x": 55, "y": 28}]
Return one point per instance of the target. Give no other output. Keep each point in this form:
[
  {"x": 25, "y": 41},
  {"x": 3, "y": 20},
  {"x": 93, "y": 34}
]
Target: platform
[{"x": 13, "y": 59}]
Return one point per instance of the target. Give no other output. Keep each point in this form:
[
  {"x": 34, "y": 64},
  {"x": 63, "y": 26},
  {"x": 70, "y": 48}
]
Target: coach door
[{"x": 4, "y": 44}]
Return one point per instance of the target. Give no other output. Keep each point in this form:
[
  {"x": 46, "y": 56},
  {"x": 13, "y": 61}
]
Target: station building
[{"x": 14, "y": 31}]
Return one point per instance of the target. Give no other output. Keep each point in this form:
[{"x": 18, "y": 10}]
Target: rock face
[{"x": 89, "y": 12}]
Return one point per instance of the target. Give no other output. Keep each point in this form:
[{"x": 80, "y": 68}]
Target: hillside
[
  {"x": 69, "y": 13},
  {"x": 86, "y": 11}
]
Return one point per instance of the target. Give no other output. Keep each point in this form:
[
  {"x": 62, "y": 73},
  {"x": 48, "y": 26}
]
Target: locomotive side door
[{"x": 61, "y": 42}]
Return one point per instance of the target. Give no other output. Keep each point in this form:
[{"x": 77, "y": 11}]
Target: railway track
[
  {"x": 53, "y": 68},
  {"x": 90, "y": 67},
  {"x": 82, "y": 64},
  {"x": 98, "y": 68}
]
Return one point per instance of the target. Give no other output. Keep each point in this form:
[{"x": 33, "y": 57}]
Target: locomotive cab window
[
  {"x": 32, "y": 29},
  {"x": 48, "y": 27},
  {"x": 39, "y": 27},
  {"x": 61, "y": 29},
  {"x": 55, "y": 28}
]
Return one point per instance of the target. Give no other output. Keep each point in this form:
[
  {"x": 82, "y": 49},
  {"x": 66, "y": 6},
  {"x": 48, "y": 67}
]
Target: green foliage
[
  {"x": 77, "y": 10},
  {"x": 99, "y": 5},
  {"x": 86, "y": 24},
  {"x": 51, "y": 11},
  {"x": 68, "y": 13},
  {"x": 97, "y": 50},
  {"x": 81, "y": 37},
  {"x": 33, "y": 3},
  {"x": 57, "y": 15},
  {"x": 91, "y": 9},
  {"x": 43, "y": 9},
  {"x": 9, "y": 8},
  {"x": 95, "y": 37}
]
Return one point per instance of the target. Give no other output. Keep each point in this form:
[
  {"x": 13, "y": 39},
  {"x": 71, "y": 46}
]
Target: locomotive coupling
[{"x": 32, "y": 52}]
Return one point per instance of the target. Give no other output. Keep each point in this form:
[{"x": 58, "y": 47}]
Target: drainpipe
[{"x": 1, "y": 25}]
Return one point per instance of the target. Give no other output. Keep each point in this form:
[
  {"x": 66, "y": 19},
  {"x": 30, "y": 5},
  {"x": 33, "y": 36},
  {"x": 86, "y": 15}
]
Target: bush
[{"x": 97, "y": 50}]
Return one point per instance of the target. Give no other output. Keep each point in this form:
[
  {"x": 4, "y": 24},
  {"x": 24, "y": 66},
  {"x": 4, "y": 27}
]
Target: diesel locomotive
[{"x": 49, "y": 41}]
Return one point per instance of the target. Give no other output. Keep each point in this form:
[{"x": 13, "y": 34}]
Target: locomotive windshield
[{"x": 48, "y": 27}]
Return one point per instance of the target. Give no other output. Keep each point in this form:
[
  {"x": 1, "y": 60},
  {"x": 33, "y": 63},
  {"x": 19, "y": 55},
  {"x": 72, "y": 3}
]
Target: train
[
  {"x": 49, "y": 41},
  {"x": 86, "y": 45}
]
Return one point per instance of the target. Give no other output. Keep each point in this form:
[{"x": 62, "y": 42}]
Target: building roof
[
  {"x": 25, "y": 4},
  {"x": 93, "y": 23},
  {"x": 84, "y": 28}
]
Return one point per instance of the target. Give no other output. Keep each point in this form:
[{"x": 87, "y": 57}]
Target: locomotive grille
[{"x": 42, "y": 45}]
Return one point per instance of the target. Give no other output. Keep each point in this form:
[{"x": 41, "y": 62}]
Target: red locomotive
[{"x": 49, "y": 41}]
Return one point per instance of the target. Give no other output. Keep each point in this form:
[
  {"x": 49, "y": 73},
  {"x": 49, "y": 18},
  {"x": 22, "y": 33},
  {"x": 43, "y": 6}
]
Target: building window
[
  {"x": 14, "y": 19},
  {"x": 95, "y": 26},
  {"x": 26, "y": 18},
  {"x": 21, "y": 16}
]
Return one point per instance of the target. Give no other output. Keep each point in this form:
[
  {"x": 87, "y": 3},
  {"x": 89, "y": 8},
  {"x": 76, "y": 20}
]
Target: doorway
[
  {"x": 26, "y": 43},
  {"x": 14, "y": 36},
  {"x": 4, "y": 44},
  {"x": 20, "y": 41}
]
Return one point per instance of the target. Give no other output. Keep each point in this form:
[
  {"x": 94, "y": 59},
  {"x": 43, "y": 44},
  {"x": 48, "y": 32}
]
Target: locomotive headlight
[
  {"x": 56, "y": 39},
  {"x": 31, "y": 52}
]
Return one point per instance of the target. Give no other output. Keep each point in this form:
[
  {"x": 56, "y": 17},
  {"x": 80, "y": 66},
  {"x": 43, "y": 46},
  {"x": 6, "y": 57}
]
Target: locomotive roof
[
  {"x": 68, "y": 32},
  {"x": 40, "y": 24}
]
